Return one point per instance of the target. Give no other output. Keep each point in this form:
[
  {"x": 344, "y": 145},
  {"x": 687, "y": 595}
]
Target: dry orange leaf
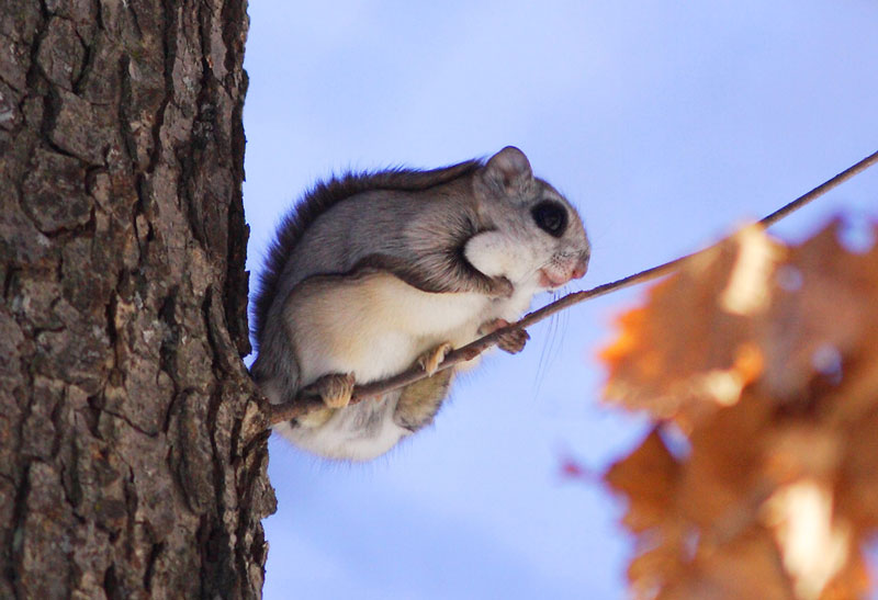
[
  {"x": 648, "y": 477},
  {"x": 691, "y": 348}
]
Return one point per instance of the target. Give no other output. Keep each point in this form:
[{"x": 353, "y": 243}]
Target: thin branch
[{"x": 290, "y": 410}]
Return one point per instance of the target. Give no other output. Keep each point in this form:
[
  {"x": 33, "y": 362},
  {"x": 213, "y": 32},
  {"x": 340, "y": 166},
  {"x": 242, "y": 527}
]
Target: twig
[{"x": 290, "y": 410}]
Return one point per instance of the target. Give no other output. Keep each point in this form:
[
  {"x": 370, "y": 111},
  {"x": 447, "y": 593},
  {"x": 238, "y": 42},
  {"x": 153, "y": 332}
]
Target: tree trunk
[{"x": 131, "y": 463}]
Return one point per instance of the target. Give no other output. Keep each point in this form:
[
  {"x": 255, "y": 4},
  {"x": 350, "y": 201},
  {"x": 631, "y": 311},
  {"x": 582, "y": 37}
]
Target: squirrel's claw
[
  {"x": 512, "y": 341},
  {"x": 335, "y": 389},
  {"x": 431, "y": 359}
]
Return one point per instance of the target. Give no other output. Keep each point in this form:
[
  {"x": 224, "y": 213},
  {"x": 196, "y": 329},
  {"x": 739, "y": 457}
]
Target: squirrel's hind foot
[
  {"x": 334, "y": 389},
  {"x": 431, "y": 359}
]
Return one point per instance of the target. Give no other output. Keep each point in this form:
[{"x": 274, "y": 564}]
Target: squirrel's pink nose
[
  {"x": 580, "y": 268},
  {"x": 582, "y": 265}
]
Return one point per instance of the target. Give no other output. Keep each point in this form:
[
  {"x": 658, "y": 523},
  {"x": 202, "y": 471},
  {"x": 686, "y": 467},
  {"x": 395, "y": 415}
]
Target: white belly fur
[
  {"x": 377, "y": 326},
  {"x": 373, "y": 327}
]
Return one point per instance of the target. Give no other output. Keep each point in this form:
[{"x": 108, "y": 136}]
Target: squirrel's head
[{"x": 534, "y": 236}]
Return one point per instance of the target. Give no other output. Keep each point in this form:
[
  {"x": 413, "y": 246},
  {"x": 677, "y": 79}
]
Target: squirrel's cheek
[{"x": 490, "y": 252}]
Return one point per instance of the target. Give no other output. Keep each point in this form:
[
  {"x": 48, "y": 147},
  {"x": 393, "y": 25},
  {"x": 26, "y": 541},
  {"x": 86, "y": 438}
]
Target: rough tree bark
[{"x": 130, "y": 464}]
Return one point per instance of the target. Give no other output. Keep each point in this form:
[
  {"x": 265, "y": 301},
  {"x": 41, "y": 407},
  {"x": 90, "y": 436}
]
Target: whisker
[{"x": 546, "y": 353}]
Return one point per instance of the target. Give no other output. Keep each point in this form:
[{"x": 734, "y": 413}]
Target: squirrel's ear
[{"x": 508, "y": 171}]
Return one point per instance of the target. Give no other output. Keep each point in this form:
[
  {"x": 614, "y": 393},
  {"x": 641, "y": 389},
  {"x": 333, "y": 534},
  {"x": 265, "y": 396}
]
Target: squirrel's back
[{"x": 324, "y": 195}]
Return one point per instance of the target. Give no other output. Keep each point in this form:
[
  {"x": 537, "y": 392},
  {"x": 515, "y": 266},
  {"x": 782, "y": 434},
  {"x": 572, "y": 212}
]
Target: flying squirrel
[{"x": 371, "y": 273}]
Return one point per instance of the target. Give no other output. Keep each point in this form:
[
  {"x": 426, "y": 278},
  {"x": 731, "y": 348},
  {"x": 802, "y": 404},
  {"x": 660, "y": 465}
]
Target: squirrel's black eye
[{"x": 551, "y": 217}]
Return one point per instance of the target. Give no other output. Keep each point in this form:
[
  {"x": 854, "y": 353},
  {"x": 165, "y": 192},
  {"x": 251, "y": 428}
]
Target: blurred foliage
[{"x": 758, "y": 362}]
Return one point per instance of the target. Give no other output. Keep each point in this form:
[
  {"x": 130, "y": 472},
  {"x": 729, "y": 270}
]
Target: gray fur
[
  {"x": 320, "y": 199},
  {"x": 334, "y": 231},
  {"x": 331, "y": 232}
]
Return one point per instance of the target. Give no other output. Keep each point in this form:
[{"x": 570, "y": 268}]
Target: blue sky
[{"x": 667, "y": 124}]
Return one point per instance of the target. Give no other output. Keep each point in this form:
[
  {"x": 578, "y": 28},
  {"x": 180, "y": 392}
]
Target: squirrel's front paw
[
  {"x": 431, "y": 359},
  {"x": 501, "y": 287},
  {"x": 335, "y": 389},
  {"x": 511, "y": 341}
]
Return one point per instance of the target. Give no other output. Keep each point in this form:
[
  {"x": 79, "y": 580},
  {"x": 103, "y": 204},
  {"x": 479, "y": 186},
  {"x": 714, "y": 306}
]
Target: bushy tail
[{"x": 275, "y": 368}]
